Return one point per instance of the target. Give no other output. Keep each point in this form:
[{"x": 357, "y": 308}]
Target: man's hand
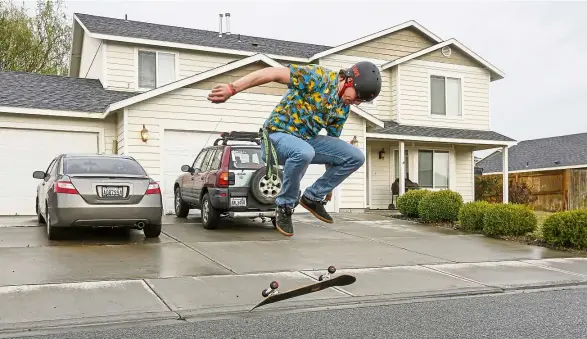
[{"x": 220, "y": 93}]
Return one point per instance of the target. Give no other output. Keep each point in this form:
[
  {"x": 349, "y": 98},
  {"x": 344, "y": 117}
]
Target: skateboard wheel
[
  {"x": 265, "y": 293},
  {"x": 321, "y": 277},
  {"x": 274, "y": 285},
  {"x": 331, "y": 269}
]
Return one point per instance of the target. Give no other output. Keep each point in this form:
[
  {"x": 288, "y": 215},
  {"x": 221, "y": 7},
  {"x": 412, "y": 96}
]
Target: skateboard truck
[
  {"x": 331, "y": 270},
  {"x": 271, "y": 290}
]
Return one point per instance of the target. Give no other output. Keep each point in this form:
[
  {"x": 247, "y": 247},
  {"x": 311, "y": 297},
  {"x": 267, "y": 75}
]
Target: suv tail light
[
  {"x": 153, "y": 188},
  {"x": 225, "y": 179},
  {"x": 64, "y": 186}
]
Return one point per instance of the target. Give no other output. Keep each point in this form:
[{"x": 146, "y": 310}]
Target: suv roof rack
[{"x": 238, "y": 136}]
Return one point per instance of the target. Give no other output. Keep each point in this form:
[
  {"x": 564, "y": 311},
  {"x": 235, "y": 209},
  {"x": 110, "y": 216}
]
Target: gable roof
[
  {"x": 496, "y": 74},
  {"x": 54, "y": 92},
  {"x": 539, "y": 154},
  {"x": 209, "y": 74},
  {"x": 115, "y": 29},
  {"x": 172, "y": 36}
]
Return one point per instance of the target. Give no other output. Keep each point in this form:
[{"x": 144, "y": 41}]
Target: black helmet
[{"x": 366, "y": 80}]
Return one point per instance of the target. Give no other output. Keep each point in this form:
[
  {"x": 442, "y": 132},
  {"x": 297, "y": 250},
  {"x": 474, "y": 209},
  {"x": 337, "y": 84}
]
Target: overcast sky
[{"x": 541, "y": 46}]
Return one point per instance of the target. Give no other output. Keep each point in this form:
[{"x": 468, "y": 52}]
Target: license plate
[
  {"x": 238, "y": 202},
  {"x": 111, "y": 191}
]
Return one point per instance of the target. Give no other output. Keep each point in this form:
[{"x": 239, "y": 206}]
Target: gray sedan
[{"x": 97, "y": 190}]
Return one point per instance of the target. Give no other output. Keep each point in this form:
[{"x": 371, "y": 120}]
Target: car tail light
[
  {"x": 153, "y": 188},
  {"x": 223, "y": 179},
  {"x": 65, "y": 187}
]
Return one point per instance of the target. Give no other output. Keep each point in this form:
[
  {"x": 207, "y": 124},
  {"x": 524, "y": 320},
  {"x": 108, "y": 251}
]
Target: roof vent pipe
[
  {"x": 220, "y": 26},
  {"x": 227, "y": 23}
]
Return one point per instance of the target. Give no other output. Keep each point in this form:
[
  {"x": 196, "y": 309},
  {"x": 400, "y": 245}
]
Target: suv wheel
[
  {"x": 210, "y": 215},
  {"x": 181, "y": 208},
  {"x": 266, "y": 189}
]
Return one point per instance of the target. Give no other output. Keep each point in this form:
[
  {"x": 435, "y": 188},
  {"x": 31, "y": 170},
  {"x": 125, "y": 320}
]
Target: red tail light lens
[
  {"x": 223, "y": 179},
  {"x": 153, "y": 189},
  {"x": 65, "y": 187}
]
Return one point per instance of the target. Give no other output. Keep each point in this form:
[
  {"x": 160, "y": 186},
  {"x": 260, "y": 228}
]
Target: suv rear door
[{"x": 201, "y": 175}]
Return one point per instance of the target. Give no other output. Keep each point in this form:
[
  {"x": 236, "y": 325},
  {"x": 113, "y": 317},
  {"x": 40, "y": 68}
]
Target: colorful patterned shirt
[{"x": 310, "y": 104}]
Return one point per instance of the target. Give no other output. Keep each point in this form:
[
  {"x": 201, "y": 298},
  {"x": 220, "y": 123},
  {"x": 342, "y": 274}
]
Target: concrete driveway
[{"x": 105, "y": 275}]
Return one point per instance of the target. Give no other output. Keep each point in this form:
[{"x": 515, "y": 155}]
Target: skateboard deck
[{"x": 325, "y": 281}]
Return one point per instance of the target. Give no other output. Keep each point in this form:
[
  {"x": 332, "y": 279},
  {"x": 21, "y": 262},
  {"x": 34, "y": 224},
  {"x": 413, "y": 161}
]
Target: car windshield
[
  {"x": 246, "y": 158},
  {"x": 102, "y": 165}
]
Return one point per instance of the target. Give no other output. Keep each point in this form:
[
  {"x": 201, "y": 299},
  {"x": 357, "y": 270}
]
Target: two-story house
[{"x": 130, "y": 77}]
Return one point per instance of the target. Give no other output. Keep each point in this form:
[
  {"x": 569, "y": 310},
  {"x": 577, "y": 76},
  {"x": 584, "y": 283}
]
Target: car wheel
[
  {"x": 210, "y": 215},
  {"x": 266, "y": 189},
  {"x": 40, "y": 218},
  {"x": 152, "y": 230},
  {"x": 53, "y": 233},
  {"x": 181, "y": 208}
]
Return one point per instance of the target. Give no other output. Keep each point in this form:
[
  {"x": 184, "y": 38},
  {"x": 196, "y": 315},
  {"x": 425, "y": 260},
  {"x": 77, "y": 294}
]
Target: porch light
[
  {"x": 382, "y": 154},
  {"x": 144, "y": 134},
  {"x": 354, "y": 142}
]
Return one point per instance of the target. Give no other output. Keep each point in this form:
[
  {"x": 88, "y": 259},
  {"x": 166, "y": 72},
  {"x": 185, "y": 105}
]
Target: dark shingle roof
[
  {"x": 566, "y": 150},
  {"x": 144, "y": 30},
  {"x": 392, "y": 127},
  {"x": 32, "y": 90}
]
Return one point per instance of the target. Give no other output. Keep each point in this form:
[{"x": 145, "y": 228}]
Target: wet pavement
[{"x": 118, "y": 275}]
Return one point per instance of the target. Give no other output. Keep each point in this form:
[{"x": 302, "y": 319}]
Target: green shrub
[
  {"x": 567, "y": 229},
  {"x": 408, "y": 203},
  {"x": 471, "y": 215},
  {"x": 440, "y": 206},
  {"x": 509, "y": 220}
]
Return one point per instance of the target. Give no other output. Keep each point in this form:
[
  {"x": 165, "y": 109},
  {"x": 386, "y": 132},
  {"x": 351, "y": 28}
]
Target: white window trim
[
  {"x": 451, "y": 168},
  {"x": 156, "y": 51},
  {"x": 449, "y": 74}
]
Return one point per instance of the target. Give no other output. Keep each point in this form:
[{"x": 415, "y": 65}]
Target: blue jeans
[{"x": 296, "y": 154}]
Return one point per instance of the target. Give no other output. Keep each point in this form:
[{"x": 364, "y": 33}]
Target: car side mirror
[
  {"x": 186, "y": 168},
  {"x": 39, "y": 175}
]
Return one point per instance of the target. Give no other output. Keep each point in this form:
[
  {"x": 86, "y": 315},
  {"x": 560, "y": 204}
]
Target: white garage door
[
  {"x": 312, "y": 174},
  {"x": 24, "y": 151},
  {"x": 180, "y": 148}
]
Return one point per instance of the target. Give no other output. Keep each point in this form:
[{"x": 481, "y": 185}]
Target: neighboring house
[
  {"x": 127, "y": 76},
  {"x": 554, "y": 168}
]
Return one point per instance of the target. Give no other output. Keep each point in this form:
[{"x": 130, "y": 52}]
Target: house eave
[{"x": 480, "y": 142}]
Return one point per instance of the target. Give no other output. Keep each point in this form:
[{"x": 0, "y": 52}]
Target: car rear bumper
[
  {"x": 221, "y": 200},
  {"x": 72, "y": 210}
]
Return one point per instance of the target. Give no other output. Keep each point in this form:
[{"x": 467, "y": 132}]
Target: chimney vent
[
  {"x": 125, "y": 17},
  {"x": 220, "y": 28},
  {"x": 227, "y": 15}
]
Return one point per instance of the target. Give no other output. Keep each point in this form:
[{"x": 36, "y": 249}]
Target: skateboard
[{"x": 271, "y": 294}]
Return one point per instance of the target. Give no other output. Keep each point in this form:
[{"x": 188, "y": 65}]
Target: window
[
  {"x": 433, "y": 169},
  {"x": 445, "y": 96},
  {"x": 156, "y": 69},
  {"x": 102, "y": 165},
  {"x": 396, "y": 164}
]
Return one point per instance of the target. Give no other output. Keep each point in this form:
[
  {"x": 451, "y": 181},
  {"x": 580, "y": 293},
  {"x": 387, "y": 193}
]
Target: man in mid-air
[{"x": 317, "y": 98}]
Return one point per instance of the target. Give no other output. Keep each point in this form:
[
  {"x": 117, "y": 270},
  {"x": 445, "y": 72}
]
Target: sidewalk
[{"x": 392, "y": 260}]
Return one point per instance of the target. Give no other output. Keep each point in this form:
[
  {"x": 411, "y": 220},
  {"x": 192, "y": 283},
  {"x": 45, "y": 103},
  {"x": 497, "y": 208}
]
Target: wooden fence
[{"x": 554, "y": 191}]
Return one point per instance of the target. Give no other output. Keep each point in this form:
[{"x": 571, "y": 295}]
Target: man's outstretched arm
[{"x": 221, "y": 93}]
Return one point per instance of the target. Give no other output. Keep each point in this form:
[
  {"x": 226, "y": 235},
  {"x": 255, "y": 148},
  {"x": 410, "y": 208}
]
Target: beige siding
[
  {"x": 270, "y": 88},
  {"x": 107, "y": 128},
  {"x": 381, "y": 171},
  {"x": 393, "y": 93},
  {"x": 122, "y": 63},
  {"x": 351, "y": 193},
  {"x": 391, "y": 46},
  {"x": 120, "y": 132},
  {"x": 456, "y": 57},
  {"x": 414, "y": 83},
  {"x": 464, "y": 172},
  {"x": 382, "y": 106},
  {"x": 91, "y": 60}
]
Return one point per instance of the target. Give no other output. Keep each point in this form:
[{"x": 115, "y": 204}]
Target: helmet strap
[{"x": 348, "y": 82}]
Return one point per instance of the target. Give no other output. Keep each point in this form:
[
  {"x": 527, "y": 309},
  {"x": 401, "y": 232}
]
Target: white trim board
[
  {"x": 440, "y": 140},
  {"x": 367, "y": 116},
  {"x": 543, "y": 169},
  {"x": 498, "y": 74},
  {"x": 50, "y": 112},
  {"x": 190, "y": 80}
]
